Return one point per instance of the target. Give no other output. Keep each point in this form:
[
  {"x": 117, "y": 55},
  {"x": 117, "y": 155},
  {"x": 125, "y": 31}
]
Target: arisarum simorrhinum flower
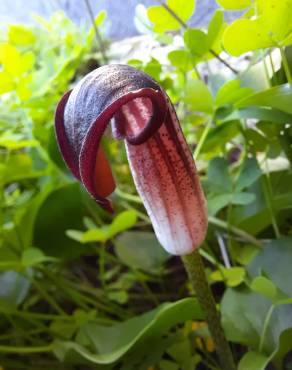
[{"x": 161, "y": 163}]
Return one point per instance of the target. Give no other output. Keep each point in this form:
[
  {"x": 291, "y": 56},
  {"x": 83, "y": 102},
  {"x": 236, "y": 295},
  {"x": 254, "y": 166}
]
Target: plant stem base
[{"x": 194, "y": 266}]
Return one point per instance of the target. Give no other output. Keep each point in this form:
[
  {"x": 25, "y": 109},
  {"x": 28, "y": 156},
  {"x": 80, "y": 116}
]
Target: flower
[{"x": 161, "y": 163}]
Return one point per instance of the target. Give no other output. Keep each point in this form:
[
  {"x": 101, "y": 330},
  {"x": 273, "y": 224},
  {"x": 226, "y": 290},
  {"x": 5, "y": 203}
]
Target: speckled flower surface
[{"x": 161, "y": 163}]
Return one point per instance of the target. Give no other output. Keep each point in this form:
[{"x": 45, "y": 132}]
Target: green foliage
[
  {"x": 234, "y": 4},
  {"x": 109, "y": 344},
  {"x": 270, "y": 27},
  {"x": 121, "y": 222},
  {"x": 93, "y": 289},
  {"x": 163, "y": 21},
  {"x": 140, "y": 250}
]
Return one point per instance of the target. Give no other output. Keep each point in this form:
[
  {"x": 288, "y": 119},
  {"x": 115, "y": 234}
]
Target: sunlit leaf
[
  {"x": 99, "y": 19},
  {"x": 231, "y": 92},
  {"x": 215, "y": 28},
  {"x": 271, "y": 27},
  {"x": 33, "y": 256},
  {"x": 234, "y": 4},
  {"x": 196, "y": 41},
  {"x": 181, "y": 59},
  {"x": 198, "y": 96},
  {"x": 163, "y": 21},
  {"x": 278, "y": 97},
  {"x": 20, "y": 35},
  {"x": 6, "y": 82},
  {"x": 264, "y": 286}
]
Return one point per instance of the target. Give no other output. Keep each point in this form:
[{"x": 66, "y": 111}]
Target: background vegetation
[{"x": 80, "y": 289}]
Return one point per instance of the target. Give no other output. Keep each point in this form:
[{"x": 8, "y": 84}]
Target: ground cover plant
[{"x": 83, "y": 289}]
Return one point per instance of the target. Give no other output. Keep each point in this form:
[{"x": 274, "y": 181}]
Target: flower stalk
[{"x": 195, "y": 269}]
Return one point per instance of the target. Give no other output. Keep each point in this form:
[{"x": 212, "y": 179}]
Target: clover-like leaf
[
  {"x": 163, "y": 21},
  {"x": 272, "y": 27}
]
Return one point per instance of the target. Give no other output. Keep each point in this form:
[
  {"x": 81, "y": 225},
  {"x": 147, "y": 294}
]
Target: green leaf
[
  {"x": 218, "y": 175},
  {"x": 153, "y": 68},
  {"x": 243, "y": 317},
  {"x": 234, "y": 4},
  {"x": 33, "y": 256},
  {"x": 266, "y": 114},
  {"x": 6, "y": 82},
  {"x": 13, "y": 288},
  {"x": 62, "y": 210},
  {"x": 249, "y": 173},
  {"x": 242, "y": 198},
  {"x": 215, "y": 28},
  {"x": 125, "y": 220},
  {"x": 198, "y": 96},
  {"x": 110, "y": 344},
  {"x": 278, "y": 97},
  {"x": 256, "y": 140},
  {"x": 217, "y": 202},
  {"x": 22, "y": 168},
  {"x": 196, "y": 41},
  {"x": 163, "y": 21},
  {"x": 244, "y": 312},
  {"x": 27, "y": 61},
  {"x": 168, "y": 365},
  {"x": 271, "y": 27},
  {"x": 233, "y": 276},
  {"x": 220, "y": 135},
  {"x": 245, "y": 35},
  {"x": 120, "y": 297},
  {"x": 15, "y": 63},
  {"x": 256, "y": 217},
  {"x": 20, "y": 35},
  {"x": 264, "y": 286},
  {"x": 140, "y": 250},
  {"x": 181, "y": 59},
  {"x": 231, "y": 92},
  {"x": 253, "y": 361},
  {"x": 75, "y": 235},
  {"x": 13, "y": 142},
  {"x": 244, "y": 255},
  {"x": 10, "y": 59},
  {"x": 279, "y": 273},
  {"x": 200, "y": 43},
  {"x": 99, "y": 19}
]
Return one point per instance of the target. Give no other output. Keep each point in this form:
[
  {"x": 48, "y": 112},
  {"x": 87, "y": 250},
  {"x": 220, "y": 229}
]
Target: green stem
[
  {"x": 97, "y": 34},
  {"x": 266, "y": 69},
  {"x": 195, "y": 269},
  {"x": 202, "y": 139},
  {"x": 46, "y": 296},
  {"x": 273, "y": 67},
  {"x": 265, "y": 327},
  {"x": 20, "y": 350},
  {"x": 286, "y": 65},
  {"x": 267, "y": 189},
  {"x": 145, "y": 286},
  {"x": 235, "y": 230}
]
